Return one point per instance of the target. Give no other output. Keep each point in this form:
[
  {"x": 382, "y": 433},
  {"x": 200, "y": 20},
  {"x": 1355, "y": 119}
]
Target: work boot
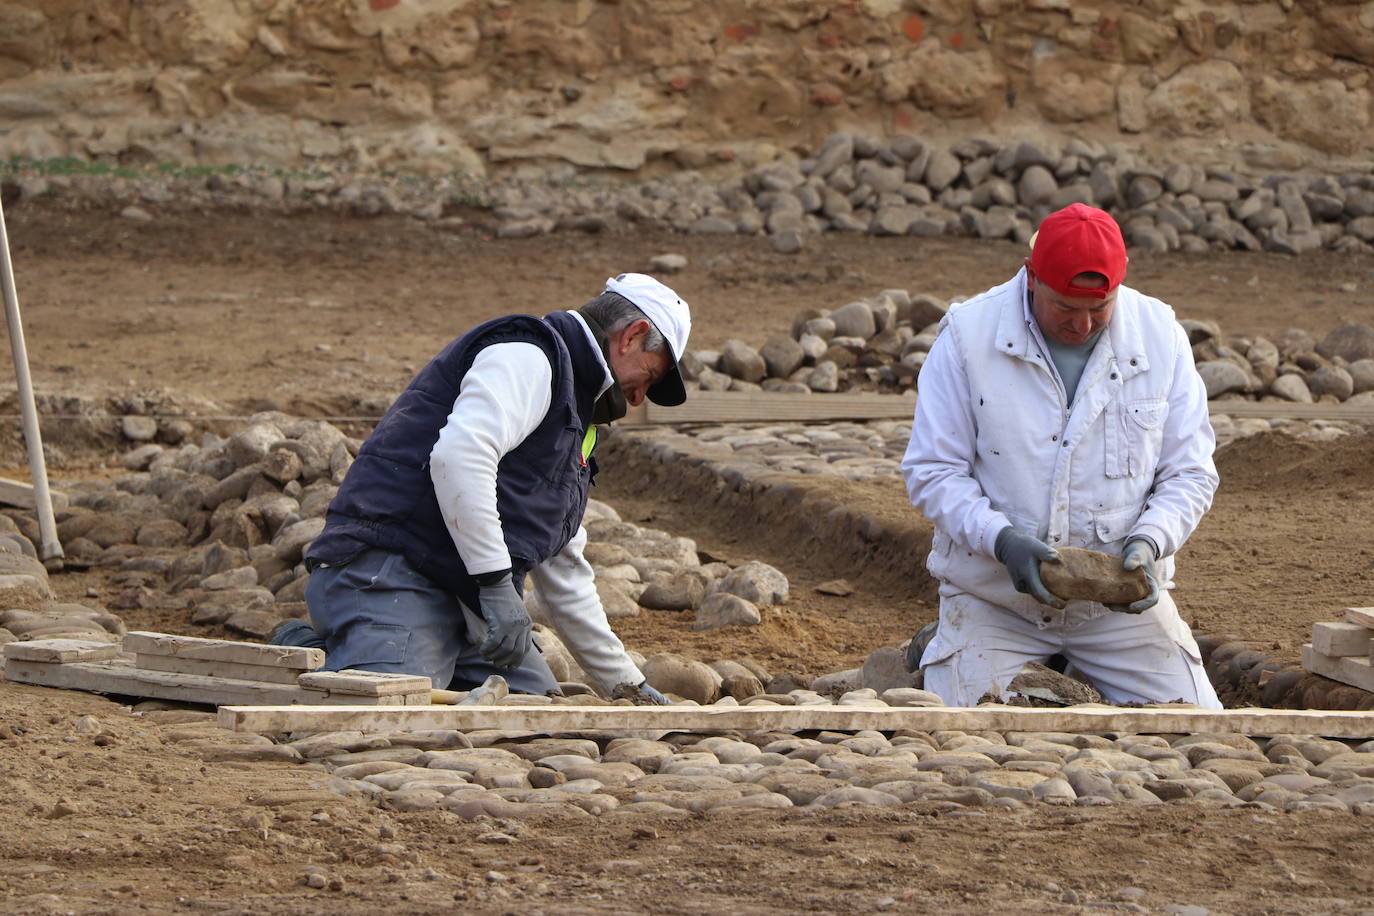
[
  {"x": 296, "y": 632},
  {"x": 917, "y": 647}
]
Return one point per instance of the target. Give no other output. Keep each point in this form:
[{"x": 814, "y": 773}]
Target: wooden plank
[
  {"x": 1340, "y": 639},
  {"x": 57, "y": 651},
  {"x": 549, "y": 719},
  {"x": 773, "y": 406},
  {"x": 365, "y": 683},
  {"x": 1357, "y": 672},
  {"x": 223, "y": 650},
  {"x": 1270, "y": 410},
  {"x": 18, "y": 493},
  {"x": 1364, "y": 616},
  {"x": 738, "y": 407},
  {"x": 105, "y": 677},
  {"x": 233, "y": 670}
]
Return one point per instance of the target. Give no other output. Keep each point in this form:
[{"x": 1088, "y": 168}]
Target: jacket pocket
[
  {"x": 1134, "y": 436},
  {"x": 1111, "y": 526}
]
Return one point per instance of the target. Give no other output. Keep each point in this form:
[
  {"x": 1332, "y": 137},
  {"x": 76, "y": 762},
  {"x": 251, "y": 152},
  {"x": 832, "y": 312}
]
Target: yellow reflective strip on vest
[{"x": 588, "y": 443}]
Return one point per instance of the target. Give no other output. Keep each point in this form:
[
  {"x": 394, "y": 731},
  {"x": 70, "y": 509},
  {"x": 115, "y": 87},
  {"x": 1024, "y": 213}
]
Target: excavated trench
[{"x": 865, "y": 531}]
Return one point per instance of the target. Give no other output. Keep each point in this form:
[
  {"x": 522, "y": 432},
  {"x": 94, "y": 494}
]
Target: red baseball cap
[{"x": 1078, "y": 239}]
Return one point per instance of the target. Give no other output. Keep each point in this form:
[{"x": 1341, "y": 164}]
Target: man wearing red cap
[{"x": 1061, "y": 409}]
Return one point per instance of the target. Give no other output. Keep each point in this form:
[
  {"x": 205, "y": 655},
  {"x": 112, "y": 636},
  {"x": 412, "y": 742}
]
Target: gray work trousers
[{"x": 378, "y": 613}]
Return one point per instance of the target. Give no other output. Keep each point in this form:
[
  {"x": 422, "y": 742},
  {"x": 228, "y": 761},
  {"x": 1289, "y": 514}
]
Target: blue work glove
[
  {"x": 1022, "y": 555},
  {"x": 1139, "y": 554},
  {"x": 659, "y": 699},
  {"x": 508, "y": 625}
]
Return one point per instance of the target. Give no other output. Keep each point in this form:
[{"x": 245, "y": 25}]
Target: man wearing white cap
[{"x": 478, "y": 475}]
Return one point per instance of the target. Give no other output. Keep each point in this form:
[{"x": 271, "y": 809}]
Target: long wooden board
[
  {"x": 1340, "y": 639},
  {"x": 1357, "y": 672},
  {"x": 548, "y": 719},
  {"x": 772, "y": 406},
  {"x": 1364, "y": 616},
  {"x": 738, "y": 407},
  {"x": 18, "y": 493},
  {"x": 365, "y": 683},
  {"x": 235, "y": 670},
  {"x": 61, "y": 650},
  {"x": 103, "y": 677},
  {"x": 223, "y": 650},
  {"x": 1270, "y": 410}
]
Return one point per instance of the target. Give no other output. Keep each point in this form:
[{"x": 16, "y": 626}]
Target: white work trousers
[{"x": 1143, "y": 658}]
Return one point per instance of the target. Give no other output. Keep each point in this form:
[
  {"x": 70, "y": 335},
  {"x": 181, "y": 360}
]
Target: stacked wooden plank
[
  {"x": 211, "y": 671},
  {"x": 1344, "y": 650}
]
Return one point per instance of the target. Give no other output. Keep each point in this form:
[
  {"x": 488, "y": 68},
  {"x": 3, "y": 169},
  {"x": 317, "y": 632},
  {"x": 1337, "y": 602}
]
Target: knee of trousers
[{"x": 960, "y": 676}]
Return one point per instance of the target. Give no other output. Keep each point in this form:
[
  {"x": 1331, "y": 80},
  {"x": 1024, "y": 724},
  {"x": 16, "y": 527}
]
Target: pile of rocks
[
  {"x": 34, "y": 612},
  {"x": 880, "y": 344},
  {"x": 974, "y": 188},
  {"x": 640, "y": 567},
  {"x": 218, "y": 529},
  {"x": 988, "y": 190},
  {"x": 506, "y": 774}
]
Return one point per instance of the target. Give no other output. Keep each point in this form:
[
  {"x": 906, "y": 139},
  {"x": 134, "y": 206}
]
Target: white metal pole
[{"x": 51, "y": 547}]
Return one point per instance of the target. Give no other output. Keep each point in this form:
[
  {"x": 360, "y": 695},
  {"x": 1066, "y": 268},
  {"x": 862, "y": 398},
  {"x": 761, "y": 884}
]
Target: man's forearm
[{"x": 567, "y": 584}]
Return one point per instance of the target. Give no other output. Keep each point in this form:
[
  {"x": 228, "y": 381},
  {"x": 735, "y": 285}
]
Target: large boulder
[
  {"x": 1350, "y": 341},
  {"x": 885, "y": 669},
  {"x": 741, "y": 361},
  {"x": 725, "y": 610},
  {"x": 1361, "y": 375},
  {"x": 1221, "y": 376},
  {"x": 1291, "y": 387},
  {"x": 1332, "y": 380},
  {"x": 683, "y": 677},
  {"x": 854, "y": 320},
  {"x": 782, "y": 355},
  {"x": 252, "y": 444},
  {"x": 680, "y": 592},
  {"x": 755, "y": 582}
]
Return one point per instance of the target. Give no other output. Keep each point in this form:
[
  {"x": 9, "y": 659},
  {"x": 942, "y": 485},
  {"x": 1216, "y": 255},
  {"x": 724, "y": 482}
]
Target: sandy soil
[{"x": 227, "y": 313}]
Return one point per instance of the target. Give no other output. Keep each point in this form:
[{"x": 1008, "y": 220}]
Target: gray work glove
[
  {"x": 508, "y": 625},
  {"x": 1139, "y": 554},
  {"x": 1022, "y": 555},
  {"x": 659, "y": 699}
]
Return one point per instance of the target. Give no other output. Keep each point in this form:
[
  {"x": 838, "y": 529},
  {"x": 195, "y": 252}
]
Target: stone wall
[{"x": 643, "y": 87}]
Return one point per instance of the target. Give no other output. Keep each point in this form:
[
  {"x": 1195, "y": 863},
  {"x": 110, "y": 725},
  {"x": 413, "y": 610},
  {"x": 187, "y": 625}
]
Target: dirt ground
[{"x": 327, "y": 316}]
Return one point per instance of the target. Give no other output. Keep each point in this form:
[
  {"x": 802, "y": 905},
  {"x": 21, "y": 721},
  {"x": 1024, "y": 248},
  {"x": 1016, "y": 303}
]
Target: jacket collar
[
  {"x": 588, "y": 364},
  {"x": 1124, "y": 333}
]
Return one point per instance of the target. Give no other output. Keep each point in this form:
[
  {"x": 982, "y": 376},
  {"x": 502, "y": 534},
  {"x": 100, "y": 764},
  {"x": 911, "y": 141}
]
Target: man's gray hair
[{"x": 614, "y": 313}]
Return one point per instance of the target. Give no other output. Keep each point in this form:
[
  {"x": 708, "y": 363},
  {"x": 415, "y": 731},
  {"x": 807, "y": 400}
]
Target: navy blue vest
[{"x": 387, "y": 498}]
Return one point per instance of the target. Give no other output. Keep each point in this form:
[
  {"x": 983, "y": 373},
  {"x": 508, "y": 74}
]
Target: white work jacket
[{"x": 994, "y": 443}]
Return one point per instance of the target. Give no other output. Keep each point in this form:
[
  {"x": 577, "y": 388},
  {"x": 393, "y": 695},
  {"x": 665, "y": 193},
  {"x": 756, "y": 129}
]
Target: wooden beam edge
[
  {"x": 771, "y": 406},
  {"x": 1158, "y": 720}
]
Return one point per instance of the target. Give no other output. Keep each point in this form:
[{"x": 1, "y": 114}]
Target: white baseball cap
[{"x": 670, "y": 315}]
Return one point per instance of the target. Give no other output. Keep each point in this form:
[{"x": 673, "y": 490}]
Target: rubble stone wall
[{"x": 644, "y": 87}]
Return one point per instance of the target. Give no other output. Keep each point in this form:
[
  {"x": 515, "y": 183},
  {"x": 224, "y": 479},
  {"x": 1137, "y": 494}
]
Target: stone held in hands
[{"x": 1090, "y": 575}]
